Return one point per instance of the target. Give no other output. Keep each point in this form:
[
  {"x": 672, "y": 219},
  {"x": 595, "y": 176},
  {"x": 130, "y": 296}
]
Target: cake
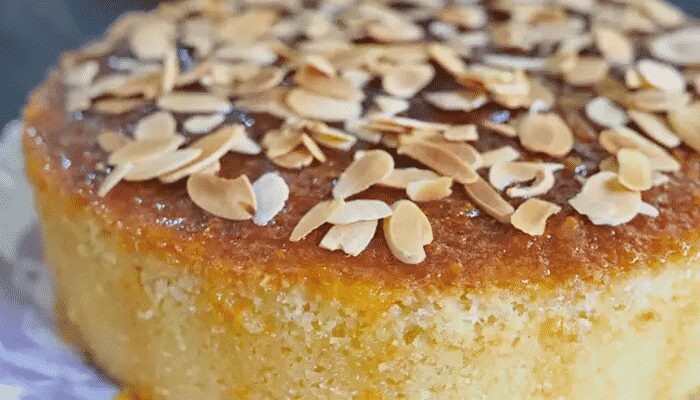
[{"x": 267, "y": 199}]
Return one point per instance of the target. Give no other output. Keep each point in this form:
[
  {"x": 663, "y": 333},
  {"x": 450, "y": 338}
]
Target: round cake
[{"x": 414, "y": 199}]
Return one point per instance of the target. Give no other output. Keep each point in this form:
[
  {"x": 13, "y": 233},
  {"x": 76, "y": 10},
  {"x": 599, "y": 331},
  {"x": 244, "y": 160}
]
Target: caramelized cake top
[{"x": 506, "y": 142}]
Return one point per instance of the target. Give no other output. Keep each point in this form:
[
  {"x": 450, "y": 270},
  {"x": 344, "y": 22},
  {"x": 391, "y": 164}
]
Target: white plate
[{"x": 34, "y": 363}]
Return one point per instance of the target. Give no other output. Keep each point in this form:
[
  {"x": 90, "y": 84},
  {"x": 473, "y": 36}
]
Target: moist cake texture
[{"x": 590, "y": 291}]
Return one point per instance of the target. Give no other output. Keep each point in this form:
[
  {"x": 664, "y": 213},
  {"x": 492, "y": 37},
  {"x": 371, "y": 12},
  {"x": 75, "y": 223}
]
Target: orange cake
[{"x": 415, "y": 199}]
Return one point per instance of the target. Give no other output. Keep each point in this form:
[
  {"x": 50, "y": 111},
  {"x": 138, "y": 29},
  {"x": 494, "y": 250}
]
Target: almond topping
[
  {"x": 117, "y": 106},
  {"x": 447, "y": 58},
  {"x": 655, "y": 128},
  {"x": 271, "y": 194},
  {"x": 352, "y": 239},
  {"x": 501, "y": 154},
  {"x": 654, "y": 100},
  {"x": 112, "y": 180},
  {"x": 370, "y": 169},
  {"x": 264, "y": 80},
  {"x": 296, "y": 159},
  {"x": 405, "y": 81},
  {"x": 604, "y": 112},
  {"x": 531, "y": 216},
  {"x": 361, "y": 210},
  {"x": 587, "y": 71},
  {"x": 686, "y": 121},
  {"x": 390, "y": 106},
  {"x": 232, "y": 199},
  {"x": 546, "y": 133},
  {"x": 81, "y": 75},
  {"x": 171, "y": 70},
  {"x": 324, "y": 108},
  {"x": 681, "y": 47},
  {"x": 313, "y": 148},
  {"x": 457, "y": 100},
  {"x": 400, "y": 178},
  {"x": 461, "y": 133},
  {"x": 161, "y": 165},
  {"x": 245, "y": 145},
  {"x": 330, "y": 86},
  {"x": 159, "y": 125},
  {"x": 622, "y": 137},
  {"x": 635, "y": 171},
  {"x": 605, "y": 201},
  {"x": 202, "y": 124},
  {"x": 315, "y": 217},
  {"x": 506, "y": 130},
  {"x": 152, "y": 39},
  {"x": 614, "y": 45},
  {"x": 661, "y": 76},
  {"x": 143, "y": 150},
  {"x": 504, "y": 174},
  {"x": 487, "y": 198},
  {"x": 112, "y": 141},
  {"x": 213, "y": 147},
  {"x": 334, "y": 138},
  {"x": 429, "y": 189},
  {"x": 193, "y": 102},
  {"x": 407, "y": 231},
  {"x": 440, "y": 159}
]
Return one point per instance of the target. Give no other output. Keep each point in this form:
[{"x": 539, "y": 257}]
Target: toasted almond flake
[
  {"x": 655, "y": 127},
  {"x": 77, "y": 101},
  {"x": 661, "y": 76},
  {"x": 171, "y": 70},
  {"x": 605, "y": 201},
  {"x": 315, "y": 217},
  {"x": 609, "y": 164},
  {"x": 407, "y": 231},
  {"x": 361, "y": 210},
  {"x": 514, "y": 62},
  {"x": 157, "y": 125},
  {"x": 112, "y": 180},
  {"x": 117, "y": 106},
  {"x": 264, "y": 80},
  {"x": 319, "y": 64},
  {"x": 501, "y": 154},
  {"x": 330, "y": 86},
  {"x": 390, "y": 106},
  {"x": 663, "y": 13},
  {"x": 193, "y": 102},
  {"x": 358, "y": 78},
  {"x": 464, "y": 152},
  {"x": 139, "y": 151},
  {"x": 461, "y": 133},
  {"x": 546, "y": 133},
  {"x": 504, "y": 174},
  {"x": 615, "y": 46},
  {"x": 257, "y": 53},
  {"x": 112, "y": 141},
  {"x": 211, "y": 169},
  {"x": 161, "y": 164},
  {"x": 202, "y": 124},
  {"x": 648, "y": 210},
  {"x": 373, "y": 167},
  {"x": 153, "y": 39},
  {"x": 633, "y": 80},
  {"x": 429, "y": 189},
  {"x": 464, "y": 16},
  {"x": 400, "y": 178},
  {"x": 271, "y": 194},
  {"x": 245, "y": 145},
  {"x": 296, "y": 159},
  {"x": 315, "y": 106},
  {"x": 352, "y": 239},
  {"x": 447, "y": 58},
  {"x": 506, "y": 130},
  {"x": 213, "y": 147},
  {"x": 604, "y": 112},
  {"x": 407, "y": 80},
  {"x": 531, "y": 216},
  {"x": 396, "y": 32},
  {"x": 686, "y": 121},
  {"x": 81, "y": 75},
  {"x": 621, "y": 137},
  {"x": 587, "y": 71},
  {"x": 313, "y": 148},
  {"x": 457, "y": 100},
  {"x": 440, "y": 159},
  {"x": 654, "y": 100},
  {"x": 487, "y": 198},
  {"x": 334, "y": 138},
  {"x": 232, "y": 199},
  {"x": 359, "y": 129},
  {"x": 635, "y": 171},
  {"x": 541, "y": 98},
  {"x": 280, "y": 142}
]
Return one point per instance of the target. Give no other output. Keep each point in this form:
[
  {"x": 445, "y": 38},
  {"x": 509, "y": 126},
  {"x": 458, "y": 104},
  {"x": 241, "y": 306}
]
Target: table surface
[{"x": 33, "y": 34}]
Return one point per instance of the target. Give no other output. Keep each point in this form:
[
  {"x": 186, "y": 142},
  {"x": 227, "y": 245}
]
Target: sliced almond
[
  {"x": 324, "y": 108},
  {"x": 407, "y": 231},
  {"x": 604, "y": 112},
  {"x": 686, "y": 121},
  {"x": 232, "y": 199},
  {"x": 112, "y": 141},
  {"x": 213, "y": 147},
  {"x": 429, "y": 189},
  {"x": 161, "y": 165},
  {"x": 614, "y": 45},
  {"x": 201, "y": 124},
  {"x": 504, "y": 174},
  {"x": 81, "y": 75},
  {"x": 117, "y": 106},
  {"x": 389, "y": 106},
  {"x": 296, "y": 159},
  {"x": 635, "y": 171},
  {"x": 405, "y": 81},
  {"x": 400, "y": 178},
  {"x": 334, "y": 138},
  {"x": 245, "y": 145},
  {"x": 587, "y": 71},
  {"x": 155, "y": 126},
  {"x": 271, "y": 194},
  {"x": 655, "y": 127},
  {"x": 663, "y": 13},
  {"x": 361, "y": 210},
  {"x": 531, "y": 216},
  {"x": 352, "y": 239},
  {"x": 139, "y": 151},
  {"x": 280, "y": 142},
  {"x": 621, "y": 137},
  {"x": 266, "y": 79},
  {"x": 315, "y": 217},
  {"x": 633, "y": 80},
  {"x": 546, "y": 133},
  {"x": 112, "y": 180},
  {"x": 461, "y": 133},
  {"x": 457, "y": 100},
  {"x": 330, "y": 86},
  {"x": 654, "y": 100},
  {"x": 194, "y": 103},
  {"x": 440, "y": 159},
  {"x": 487, "y": 198},
  {"x": 501, "y": 154},
  {"x": 605, "y": 201},
  {"x": 506, "y": 130},
  {"x": 648, "y": 210},
  {"x": 370, "y": 169},
  {"x": 661, "y": 76},
  {"x": 394, "y": 32},
  {"x": 448, "y": 58},
  {"x": 171, "y": 70},
  {"x": 313, "y": 148},
  {"x": 681, "y": 47},
  {"x": 152, "y": 39}
]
